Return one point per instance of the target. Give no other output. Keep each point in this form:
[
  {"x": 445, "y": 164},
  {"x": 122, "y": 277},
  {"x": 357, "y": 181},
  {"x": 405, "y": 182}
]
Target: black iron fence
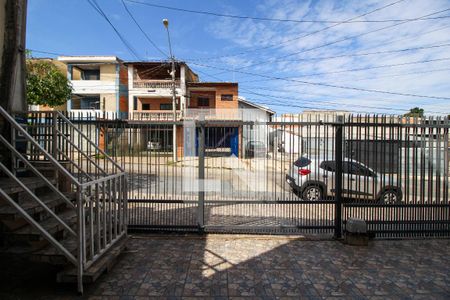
[{"x": 305, "y": 175}]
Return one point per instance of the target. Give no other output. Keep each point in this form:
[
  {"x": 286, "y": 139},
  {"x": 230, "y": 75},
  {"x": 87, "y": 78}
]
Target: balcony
[
  {"x": 155, "y": 84},
  {"x": 155, "y": 115},
  {"x": 93, "y": 86}
]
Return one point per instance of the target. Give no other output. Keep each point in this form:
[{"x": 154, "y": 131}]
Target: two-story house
[
  {"x": 150, "y": 89},
  {"x": 140, "y": 91},
  {"x": 100, "y": 84}
]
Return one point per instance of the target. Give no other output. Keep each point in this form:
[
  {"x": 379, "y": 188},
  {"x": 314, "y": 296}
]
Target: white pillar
[
  {"x": 130, "y": 91},
  {"x": 183, "y": 88}
]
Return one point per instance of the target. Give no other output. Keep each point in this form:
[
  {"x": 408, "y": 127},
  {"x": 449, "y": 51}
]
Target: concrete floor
[{"x": 253, "y": 267}]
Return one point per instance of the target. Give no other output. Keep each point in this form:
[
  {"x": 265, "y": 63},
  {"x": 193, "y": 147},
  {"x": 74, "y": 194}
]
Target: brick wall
[
  {"x": 215, "y": 97},
  {"x": 223, "y": 90},
  {"x": 196, "y": 94}
]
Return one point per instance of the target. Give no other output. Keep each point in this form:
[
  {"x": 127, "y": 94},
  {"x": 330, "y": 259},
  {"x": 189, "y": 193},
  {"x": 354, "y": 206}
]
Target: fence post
[
  {"x": 201, "y": 176},
  {"x": 338, "y": 178}
]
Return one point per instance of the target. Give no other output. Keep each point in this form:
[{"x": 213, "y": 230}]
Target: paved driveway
[{"x": 265, "y": 267}]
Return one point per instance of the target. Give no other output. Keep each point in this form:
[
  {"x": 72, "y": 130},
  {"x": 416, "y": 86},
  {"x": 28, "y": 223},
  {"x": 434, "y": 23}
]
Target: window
[
  {"x": 202, "y": 101},
  {"x": 165, "y": 106},
  {"x": 87, "y": 102},
  {"x": 226, "y": 97},
  {"x": 145, "y": 106},
  {"x": 90, "y": 74},
  {"x": 347, "y": 168},
  {"x": 360, "y": 170},
  {"x": 328, "y": 165}
]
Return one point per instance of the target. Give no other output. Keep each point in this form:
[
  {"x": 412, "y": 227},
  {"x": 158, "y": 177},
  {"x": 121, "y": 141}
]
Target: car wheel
[
  {"x": 312, "y": 193},
  {"x": 390, "y": 197}
]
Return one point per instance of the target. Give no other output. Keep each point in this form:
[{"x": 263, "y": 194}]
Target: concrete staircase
[
  {"x": 60, "y": 204},
  {"x": 19, "y": 238}
]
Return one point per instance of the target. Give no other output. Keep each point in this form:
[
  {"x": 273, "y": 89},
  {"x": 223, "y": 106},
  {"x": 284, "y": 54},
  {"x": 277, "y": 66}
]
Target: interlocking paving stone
[{"x": 253, "y": 267}]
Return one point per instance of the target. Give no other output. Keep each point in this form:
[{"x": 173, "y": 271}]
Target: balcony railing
[
  {"x": 155, "y": 115},
  {"x": 155, "y": 84}
]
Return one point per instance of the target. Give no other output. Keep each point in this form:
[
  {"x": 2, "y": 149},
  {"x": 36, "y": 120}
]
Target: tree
[
  {"x": 46, "y": 85},
  {"x": 415, "y": 112}
]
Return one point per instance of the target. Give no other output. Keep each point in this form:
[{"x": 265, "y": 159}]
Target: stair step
[
  {"x": 45, "y": 252},
  {"x": 50, "y": 225},
  {"x": 52, "y": 255},
  {"x": 9, "y": 186},
  {"x": 102, "y": 265},
  {"x": 52, "y": 200}
]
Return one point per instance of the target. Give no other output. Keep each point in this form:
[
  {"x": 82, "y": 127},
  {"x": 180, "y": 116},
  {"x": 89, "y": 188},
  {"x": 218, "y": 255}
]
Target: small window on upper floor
[
  {"x": 165, "y": 106},
  {"x": 226, "y": 97},
  {"x": 90, "y": 74},
  {"x": 145, "y": 106},
  {"x": 202, "y": 101}
]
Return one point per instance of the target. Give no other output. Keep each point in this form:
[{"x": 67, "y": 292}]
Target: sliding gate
[
  {"x": 249, "y": 192},
  {"x": 230, "y": 176},
  {"x": 252, "y": 176}
]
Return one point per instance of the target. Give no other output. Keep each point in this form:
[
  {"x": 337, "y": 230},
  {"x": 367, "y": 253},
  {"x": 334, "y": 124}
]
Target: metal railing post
[
  {"x": 80, "y": 242},
  {"x": 338, "y": 177},
  {"x": 201, "y": 176},
  {"x": 55, "y": 143}
]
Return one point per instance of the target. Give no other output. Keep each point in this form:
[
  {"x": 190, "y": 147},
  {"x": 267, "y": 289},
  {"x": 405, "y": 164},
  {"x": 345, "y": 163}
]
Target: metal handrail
[
  {"x": 35, "y": 198},
  {"x": 74, "y": 164},
  {"x": 115, "y": 183},
  {"x": 36, "y": 171},
  {"x": 30, "y": 139},
  {"x": 84, "y": 154},
  {"x": 38, "y": 227},
  {"x": 96, "y": 181},
  {"x": 63, "y": 117}
]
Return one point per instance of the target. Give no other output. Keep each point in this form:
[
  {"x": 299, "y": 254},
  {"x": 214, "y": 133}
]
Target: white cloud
[{"x": 249, "y": 34}]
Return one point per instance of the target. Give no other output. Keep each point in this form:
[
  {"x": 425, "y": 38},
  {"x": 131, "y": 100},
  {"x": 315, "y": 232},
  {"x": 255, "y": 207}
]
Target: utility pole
[{"x": 174, "y": 96}]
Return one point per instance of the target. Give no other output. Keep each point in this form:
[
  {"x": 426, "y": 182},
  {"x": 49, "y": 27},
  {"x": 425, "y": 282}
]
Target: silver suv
[{"x": 313, "y": 180}]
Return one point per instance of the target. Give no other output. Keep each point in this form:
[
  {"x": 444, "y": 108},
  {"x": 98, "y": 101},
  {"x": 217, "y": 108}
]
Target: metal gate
[{"x": 251, "y": 177}]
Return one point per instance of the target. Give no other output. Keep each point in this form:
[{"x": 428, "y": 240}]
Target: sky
[{"x": 364, "y": 67}]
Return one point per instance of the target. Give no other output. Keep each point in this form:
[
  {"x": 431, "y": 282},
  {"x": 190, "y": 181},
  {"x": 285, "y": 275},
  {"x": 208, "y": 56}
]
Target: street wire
[
  {"x": 340, "y": 40},
  {"x": 100, "y": 11},
  {"x": 324, "y": 84},
  {"x": 210, "y": 13},
  {"x": 366, "y": 53},
  {"x": 278, "y": 44},
  {"x": 143, "y": 32}
]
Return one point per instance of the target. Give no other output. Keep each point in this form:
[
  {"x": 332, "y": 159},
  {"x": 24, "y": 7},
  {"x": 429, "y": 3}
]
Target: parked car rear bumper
[{"x": 291, "y": 181}]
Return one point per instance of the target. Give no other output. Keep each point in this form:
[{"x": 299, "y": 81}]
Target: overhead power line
[
  {"x": 353, "y": 79},
  {"x": 278, "y": 44},
  {"x": 143, "y": 32},
  {"x": 365, "y": 78},
  {"x": 334, "y": 103},
  {"x": 375, "y": 67},
  {"x": 303, "y": 100},
  {"x": 342, "y": 40},
  {"x": 100, "y": 11},
  {"x": 325, "y": 84},
  {"x": 215, "y": 14},
  {"x": 45, "y": 52},
  {"x": 367, "y": 53}
]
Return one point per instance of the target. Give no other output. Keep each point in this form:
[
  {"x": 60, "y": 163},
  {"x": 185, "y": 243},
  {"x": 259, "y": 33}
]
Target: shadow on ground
[{"x": 258, "y": 267}]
